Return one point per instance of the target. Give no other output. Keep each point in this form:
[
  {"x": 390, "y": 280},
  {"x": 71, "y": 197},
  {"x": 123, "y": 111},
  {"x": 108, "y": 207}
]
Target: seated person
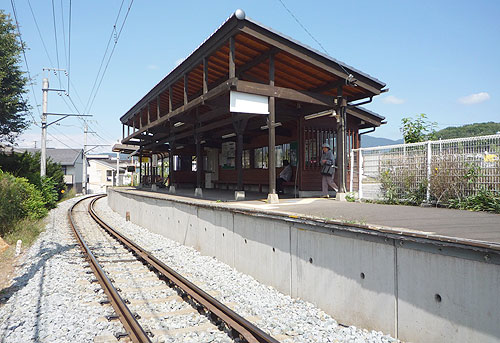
[{"x": 285, "y": 176}]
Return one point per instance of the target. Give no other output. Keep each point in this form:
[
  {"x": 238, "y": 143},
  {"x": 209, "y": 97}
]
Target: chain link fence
[{"x": 432, "y": 171}]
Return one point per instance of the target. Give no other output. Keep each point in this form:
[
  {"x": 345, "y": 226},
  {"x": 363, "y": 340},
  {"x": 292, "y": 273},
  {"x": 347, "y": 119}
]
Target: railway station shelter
[{"x": 244, "y": 101}]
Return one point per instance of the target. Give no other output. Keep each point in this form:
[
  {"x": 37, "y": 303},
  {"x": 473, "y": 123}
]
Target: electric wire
[
  {"x": 309, "y": 33},
  {"x": 55, "y": 38},
  {"x": 40, "y": 33},
  {"x": 60, "y": 141},
  {"x": 113, "y": 31},
  {"x": 64, "y": 34},
  {"x": 111, "y": 54},
  {"x": 69, "y": 46}
]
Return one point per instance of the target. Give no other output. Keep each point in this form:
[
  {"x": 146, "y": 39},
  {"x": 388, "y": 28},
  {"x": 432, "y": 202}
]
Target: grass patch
[
  {"x": 26, "y": 230},
  {"x": 68, "y": 195}
]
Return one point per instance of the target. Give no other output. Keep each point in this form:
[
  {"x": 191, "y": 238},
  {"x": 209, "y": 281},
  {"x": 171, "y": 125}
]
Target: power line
[
  {"x": 66, "y": 145},
  {"x": 105, "y": 53},
  {"x": 25, "y": 61},
  {"x": 303, "y": 27},
  {"x": 64, "y": 34},
  {"x": 55, "y": 38},
  {"x": 39, "y": 33},
  {"x": 111, "y": 54},
  {"x": 69, "y": 46},
  {"x": 309, "y": 33}
]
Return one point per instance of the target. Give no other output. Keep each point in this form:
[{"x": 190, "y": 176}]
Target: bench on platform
[{"x": 218, "y": 183}]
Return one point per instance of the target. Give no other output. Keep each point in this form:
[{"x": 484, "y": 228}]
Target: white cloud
[
  {"x": 152, "y": 67},
  {"x": 391, "y": 99},
  {"x": 475, "y": 98},
  {"x": 179, "y": 61}
]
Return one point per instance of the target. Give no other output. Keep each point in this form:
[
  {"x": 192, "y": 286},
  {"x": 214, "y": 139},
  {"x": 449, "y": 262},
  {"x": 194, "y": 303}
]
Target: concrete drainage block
[
  {"x": 198, "y": 192},
  {"x": 273, "y": 198},
  {"x": 340, "y": 197},
  {"x": 239, "y": 195},
  {"x": 171, "y": 190}
]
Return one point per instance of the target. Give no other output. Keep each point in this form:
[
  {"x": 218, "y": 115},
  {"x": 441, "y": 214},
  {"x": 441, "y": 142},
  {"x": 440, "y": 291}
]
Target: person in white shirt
[{"x": 285, "y": 176}]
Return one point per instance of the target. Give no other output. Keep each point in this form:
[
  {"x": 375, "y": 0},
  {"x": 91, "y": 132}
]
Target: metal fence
[{"x": 432, "y": 171}]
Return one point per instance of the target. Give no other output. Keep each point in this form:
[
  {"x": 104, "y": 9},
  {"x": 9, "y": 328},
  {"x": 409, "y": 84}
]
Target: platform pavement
[{"x": 459, "y": 225}]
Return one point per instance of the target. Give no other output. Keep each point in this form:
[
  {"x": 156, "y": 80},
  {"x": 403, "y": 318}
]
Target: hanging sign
[{"x": 248, "y": 103}]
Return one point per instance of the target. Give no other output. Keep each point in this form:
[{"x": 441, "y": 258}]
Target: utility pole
[
  {"x": 46, "y": 89},
  {"x": 43, "y": 155},
  {"x": 117, "y": 168},
  {"x": 85, "y": 131}
]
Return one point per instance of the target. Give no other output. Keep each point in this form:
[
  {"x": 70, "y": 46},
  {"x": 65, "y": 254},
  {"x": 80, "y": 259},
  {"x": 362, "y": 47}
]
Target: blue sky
[{"x": 437, "y": 57}]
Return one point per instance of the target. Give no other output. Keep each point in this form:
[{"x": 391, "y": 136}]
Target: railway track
[{"x": 146, "y": 295}]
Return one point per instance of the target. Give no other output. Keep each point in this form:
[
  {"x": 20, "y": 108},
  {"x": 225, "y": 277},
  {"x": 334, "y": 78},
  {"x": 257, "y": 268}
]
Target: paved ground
[{"x": 479, "y": 226}]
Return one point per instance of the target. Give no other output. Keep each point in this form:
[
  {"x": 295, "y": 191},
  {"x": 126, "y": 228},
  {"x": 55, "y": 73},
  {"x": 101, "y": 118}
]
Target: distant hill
[
  {"x": 368, "y": 141},
  {"x": 470, "y": 130}
]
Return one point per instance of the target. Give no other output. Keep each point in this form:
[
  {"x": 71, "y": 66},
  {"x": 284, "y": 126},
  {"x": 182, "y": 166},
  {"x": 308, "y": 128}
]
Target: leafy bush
[
  {"x": 484, "y": 200},
  {"x": 27, "y": 165},
  {"x": 49, "y": 192},
  {"x": 18, "y": 199}
]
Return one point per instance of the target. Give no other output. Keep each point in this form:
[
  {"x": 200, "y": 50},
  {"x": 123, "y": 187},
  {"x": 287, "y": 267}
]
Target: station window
[
  {"x": 177, "y": 163},
  {"x": 246, "y": 159},
  {"x": 261, "y": 157},
  {"x": 109, "y": 175}
]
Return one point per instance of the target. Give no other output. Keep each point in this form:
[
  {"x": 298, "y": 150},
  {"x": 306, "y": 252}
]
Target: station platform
[{"x": 477, "y": 229}]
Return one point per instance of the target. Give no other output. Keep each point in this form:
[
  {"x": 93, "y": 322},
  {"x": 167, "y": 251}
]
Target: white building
[{"x": 101, "y": 170}]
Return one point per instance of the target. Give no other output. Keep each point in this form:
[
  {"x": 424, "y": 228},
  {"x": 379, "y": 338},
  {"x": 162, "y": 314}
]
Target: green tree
[
  {"x": 13, "y": 106},
  {"x": 469, "y": 130},
  {"x": 418, "y": 129},
  {"x": 27, "y": 165}
]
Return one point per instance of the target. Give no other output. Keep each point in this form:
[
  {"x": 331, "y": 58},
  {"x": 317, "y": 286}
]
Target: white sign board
[{"x": 248, "y": 103}]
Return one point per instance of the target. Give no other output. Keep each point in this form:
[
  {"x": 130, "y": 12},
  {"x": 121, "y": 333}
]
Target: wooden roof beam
[{"x": 284, "y": 93}]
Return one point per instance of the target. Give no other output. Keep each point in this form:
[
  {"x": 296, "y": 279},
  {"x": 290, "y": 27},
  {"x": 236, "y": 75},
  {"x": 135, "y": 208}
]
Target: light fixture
[
  {"x": 265, "y": 127},
  {"x": 319, "y": 114},
  {"x": 179, "y": 123},
  {"x": 229, "y": 135},
  {"x": 179, "y": 147},
  {"x": 203, "y": 142}
]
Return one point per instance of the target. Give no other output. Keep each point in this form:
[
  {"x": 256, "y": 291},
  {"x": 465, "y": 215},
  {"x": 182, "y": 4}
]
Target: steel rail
[
  {"x": 133, "y": 328},
  {"x": 234, "y": 321}
]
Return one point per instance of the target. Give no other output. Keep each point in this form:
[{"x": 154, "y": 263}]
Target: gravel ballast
[
  {"x": 289, "y": 320},
  {"x": 51, "y": 298}
]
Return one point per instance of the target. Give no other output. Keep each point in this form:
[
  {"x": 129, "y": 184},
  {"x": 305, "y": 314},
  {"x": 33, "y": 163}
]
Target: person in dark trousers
[
  {"x": 327, "y": 158},
  {"x": 285, "y": 176}
]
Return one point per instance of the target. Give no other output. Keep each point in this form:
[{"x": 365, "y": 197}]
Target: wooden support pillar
[
  {"x": 232, "y": 66},
  {"x": 162, "y": 167},
  {"x": 272, "y": 196},
  {"x": 171, "y": 162},
  {"x": 239, "y": 127},
  {"x": 140, "y": 168},
  {"x": 341, "y": 140},
  {"x": 157, "y": 107},
  {"x": 199, "y": 160},
  {"x": 123, "y": 131}
]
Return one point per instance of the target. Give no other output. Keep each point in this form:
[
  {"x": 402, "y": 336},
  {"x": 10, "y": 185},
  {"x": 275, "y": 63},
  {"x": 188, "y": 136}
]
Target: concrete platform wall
[{"x": 415, "y": 291}]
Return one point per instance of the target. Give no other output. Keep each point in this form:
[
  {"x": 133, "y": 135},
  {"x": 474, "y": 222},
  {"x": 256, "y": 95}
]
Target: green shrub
[
  {"x": 18, "y": 199},
  {"x": 49, "y": 192},
  {"x": 484, "y": 200},
  {"x": 27, "y": 165}
]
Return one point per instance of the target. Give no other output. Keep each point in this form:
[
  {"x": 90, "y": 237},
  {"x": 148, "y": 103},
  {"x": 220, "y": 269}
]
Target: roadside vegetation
[
  {"x": 451, "y": 184},
  {"x": 25, "y": 198}
]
